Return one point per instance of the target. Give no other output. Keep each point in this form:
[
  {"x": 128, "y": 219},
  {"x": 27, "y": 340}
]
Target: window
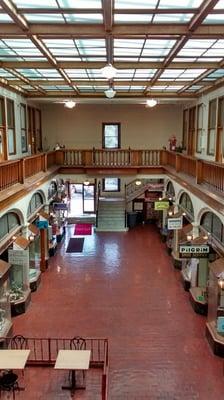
[
  {"x": 111, "y": 185},
  {"x": 185, "y": 129},
  {"x": 38, "y": 130},
  {"x": 186, "y": 204},
  {"x": 35, "y": 203},
  {"x": 23, "y": 128},
  {"x": 11, "y": 127},
  {"x": 191, "y": 131},
  {"x": 212, "y": 224},
  {"x": 199, "y": 128},
  {"x": 111, "y": 135},
  {"x": 8, "y": 223},
  {"x": 2, "y": 130},
  {"x": 170, "y": 192},
  {"x": 211, "y": 127}
]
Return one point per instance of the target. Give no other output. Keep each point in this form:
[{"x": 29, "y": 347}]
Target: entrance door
[{"x": 88, "y": 198}]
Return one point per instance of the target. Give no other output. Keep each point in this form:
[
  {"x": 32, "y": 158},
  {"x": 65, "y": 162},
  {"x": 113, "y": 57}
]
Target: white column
[{"x": 195, "y": 230}]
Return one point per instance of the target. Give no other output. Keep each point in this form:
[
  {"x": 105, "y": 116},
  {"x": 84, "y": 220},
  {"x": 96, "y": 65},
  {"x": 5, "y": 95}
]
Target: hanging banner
[
  {"x": 161, "y": 205},
  {"x": 175, "y": 223},
  {"x": 42, "y": 224},
  {"x": 60, "y": 206},
  {"x": 197, "y": 251}
]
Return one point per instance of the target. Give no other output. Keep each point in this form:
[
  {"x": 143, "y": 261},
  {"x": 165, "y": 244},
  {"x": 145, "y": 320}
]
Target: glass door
[{"x": 88, "y": 198}]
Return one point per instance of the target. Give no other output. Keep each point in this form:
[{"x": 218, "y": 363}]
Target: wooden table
[{"x": 73, "y": 360}]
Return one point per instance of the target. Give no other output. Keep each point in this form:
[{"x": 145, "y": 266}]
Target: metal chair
[
  {"x": 19, "y": 342},
  {"x": 79, "y": 343},
  {"x": 9, "y": 382}
]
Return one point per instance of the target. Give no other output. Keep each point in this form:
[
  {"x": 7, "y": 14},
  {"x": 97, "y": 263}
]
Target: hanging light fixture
[
  {"x": 86, "y": 183},
  {"x": 110, "y": 93},
  {"x": 70, "y": 104},
  {"x": 108, "y": 72},
  {"x": 151, "y": 103},
  {"x": 138, "y": 182}
]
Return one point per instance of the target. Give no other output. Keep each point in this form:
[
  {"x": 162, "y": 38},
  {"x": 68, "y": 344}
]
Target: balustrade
[{"x": 204, "y": 172}]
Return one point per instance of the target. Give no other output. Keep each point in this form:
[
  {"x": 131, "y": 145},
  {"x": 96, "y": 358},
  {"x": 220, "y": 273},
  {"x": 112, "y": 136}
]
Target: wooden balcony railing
[{"x": 204, "y": 172}]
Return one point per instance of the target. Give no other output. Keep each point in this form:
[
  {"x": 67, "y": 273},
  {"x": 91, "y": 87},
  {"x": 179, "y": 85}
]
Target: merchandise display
[{"x": 5, "y": 312}]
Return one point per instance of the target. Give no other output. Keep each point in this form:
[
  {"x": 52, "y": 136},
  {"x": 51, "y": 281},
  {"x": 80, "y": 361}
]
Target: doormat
[
  {"x": 83, "y": 229},
  {"x": 75, "y": 245}
]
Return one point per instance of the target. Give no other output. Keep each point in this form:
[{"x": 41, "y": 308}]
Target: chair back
[
  {"x": 18, "y": 342},
  {"x": 77, "y": 343}
]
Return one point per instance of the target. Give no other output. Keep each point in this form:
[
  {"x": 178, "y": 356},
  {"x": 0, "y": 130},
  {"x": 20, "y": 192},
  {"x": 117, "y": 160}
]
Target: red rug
[{"x": 83, "y": 229}]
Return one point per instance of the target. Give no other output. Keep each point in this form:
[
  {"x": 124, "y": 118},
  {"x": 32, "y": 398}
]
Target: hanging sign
[
  {"x": 175, "y": 223},
  {"x": 197, "y": 251},
  {"x": 161, "y": 205},
  {"x": 60, "y": 206},
  {"x": 18, "y": 257},
  {"x": 42, "y": 224}
]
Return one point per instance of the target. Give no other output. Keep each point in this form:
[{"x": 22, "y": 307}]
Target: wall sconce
[
  {"x": 184, "y": 214},
  {"x": 170, "y": 213},
  {"x": 160, "y": 198},
  {"x": 31, "y": 238},
  {"x": 221, "y": 283},
  {"x": 205, "y": 237},
  {"x": 189, "y": 238},
  {"x": 86, "y": 183},
  {"x": 138, "y": 182},
  {"x": 14, "y": 238}
]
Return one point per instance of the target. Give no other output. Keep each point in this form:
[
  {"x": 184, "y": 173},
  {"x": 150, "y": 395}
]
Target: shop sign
[
  {"x": 42, "y": 224},
  {"x": 175, "y": 223},
  {"x": 198, "y": 251},
  {"x": 60, "y": 206},
  {"x": 161, "y": 205},
  {"x": 18, "y": 257}
]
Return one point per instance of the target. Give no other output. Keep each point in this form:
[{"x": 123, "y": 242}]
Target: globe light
[
  {"x": 108, "y": 71},
  {"x": 110, "y": 93},
  {"x": 70, "y": 104},
  {"x": 151, "y": 103}
]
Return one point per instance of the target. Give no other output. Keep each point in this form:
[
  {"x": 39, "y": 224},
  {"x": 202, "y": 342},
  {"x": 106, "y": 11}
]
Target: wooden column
[{"x": 43, "y": 264}]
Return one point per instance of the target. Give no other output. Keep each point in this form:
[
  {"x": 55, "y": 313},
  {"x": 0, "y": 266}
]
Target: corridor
[{"x": 123, "y": 287}]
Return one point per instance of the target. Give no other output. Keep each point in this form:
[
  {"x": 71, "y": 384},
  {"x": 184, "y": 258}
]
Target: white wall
[{"x": 81, "y": 127}]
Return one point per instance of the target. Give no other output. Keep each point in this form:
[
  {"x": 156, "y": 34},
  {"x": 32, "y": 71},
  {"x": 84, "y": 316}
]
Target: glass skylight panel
[
  {"x": 84, "y": 18},
  {"x": 172, "y": 18},
  {"x": 137, "y": 88},
  {"x": 159, "y": 43},
  {"x": 126, "y": 43},
  {"x": 194, "y": 73},
  {"x": 29, "y": 72},
  {"x": 132, "y": 59},
  {"x": 133, "y": 18},
  {"x": 19, "y": 43},
  {"x": 217, "y": 74},
  {"x": 214, "y": 52},
  {"x": 174, "y": 88},
  {"x": 144, "y": 73},
  {"x": 6, "y": 51},
  {"x": 94, "y": 51},
  {"x": 82, "y": 43},
  {"x": 214, "y": 19},
  {"x": 157, "y": 88},
  {"x": 132, "y": 4},
  {"x": 172, "y": 73},
  {"x": 76, "y": 73},
  {"x": 49, "y": 72},
  {"x": 61, "y": 43},
  {"x": 45, "y": 18},
  {"x": 128, "y": 52},
  {"x": 80, "y": 3},
  {"x": 191, "y": 52},
  {"x": 199, "y": 44},
  {"x": 219, "y": 44},
  {"x": 35, "y": 3},
  {"x": 64, "y": 52},
  {"x": 183, "y": 59},
  {"x": 5, "y": 74},
  {"x": 179, "y": 4},
  {"x": 220, "y": 4},
  {"x": 94, "y": 73},
  {"x": 155, "y": 52},
  {"x": 128, "y": 73},
  {"x": 5, "y": 18}
]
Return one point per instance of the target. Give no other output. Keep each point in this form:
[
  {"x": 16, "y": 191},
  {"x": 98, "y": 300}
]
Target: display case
[
  {"x": 34, "y": 254},
  {"x": 215, "y": 322},
  {"x": 5, "y": 310},
  {"x": 19, "y": 285}
]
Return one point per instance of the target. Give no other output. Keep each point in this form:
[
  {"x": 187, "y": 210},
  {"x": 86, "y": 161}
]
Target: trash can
[{"x": 132, "y": 218}]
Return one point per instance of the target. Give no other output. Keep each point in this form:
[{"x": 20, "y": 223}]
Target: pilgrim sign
[{"x": 191, "y": 251}]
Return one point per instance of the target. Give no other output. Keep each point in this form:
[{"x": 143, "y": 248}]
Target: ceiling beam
[
  {"x": 99, "y": 64},
  {"x": 199, "y": 17},
  {"x": 60, "y": 95},
  {"x": 64, "y": 10},
  {"x": 98, "y": 30},
  {"x": 103, "y": 83}
]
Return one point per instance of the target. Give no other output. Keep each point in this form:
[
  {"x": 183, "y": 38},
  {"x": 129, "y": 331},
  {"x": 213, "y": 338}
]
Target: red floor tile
[{"x": 124, "y": 287}]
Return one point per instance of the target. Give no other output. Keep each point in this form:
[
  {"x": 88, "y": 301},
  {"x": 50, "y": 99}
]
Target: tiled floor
[{"x": 124, "y": 287}]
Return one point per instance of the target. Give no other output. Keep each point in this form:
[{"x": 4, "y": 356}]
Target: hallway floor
[{"x": 123, "y": 286}]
